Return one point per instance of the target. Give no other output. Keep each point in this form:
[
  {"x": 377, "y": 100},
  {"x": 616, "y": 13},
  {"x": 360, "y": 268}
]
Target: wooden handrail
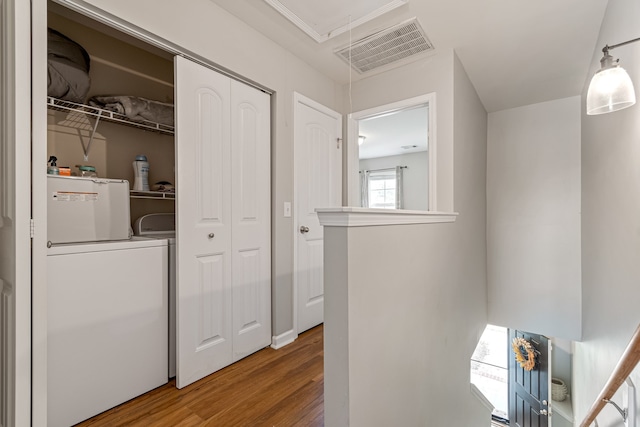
[{"x": 623, "y": 369}]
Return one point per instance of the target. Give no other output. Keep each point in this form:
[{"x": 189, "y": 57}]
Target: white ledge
[
  {"x": 362, "y": 217},
  {"x": 475, "y": 391},
  {"x": 563, "y": 408}
]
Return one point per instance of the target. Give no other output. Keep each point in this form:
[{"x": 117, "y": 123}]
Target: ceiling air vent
[{"x": 385, "y": 47}]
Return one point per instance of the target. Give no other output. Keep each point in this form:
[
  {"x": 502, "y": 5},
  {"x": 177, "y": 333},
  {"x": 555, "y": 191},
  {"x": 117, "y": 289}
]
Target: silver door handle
[
  {"x": 544, "y": 412},
  {"x": 304, "y": 229}
]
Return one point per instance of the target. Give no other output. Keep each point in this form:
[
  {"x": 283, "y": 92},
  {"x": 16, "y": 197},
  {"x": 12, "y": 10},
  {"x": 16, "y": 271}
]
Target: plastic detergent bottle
[
  {"x": 141, "y": 173},
  {"x": 52, "y": 169}
]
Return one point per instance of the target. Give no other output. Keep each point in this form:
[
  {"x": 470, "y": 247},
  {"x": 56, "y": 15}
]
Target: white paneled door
[
  {"x": 203, "y": 215},
  {"x": 251, "y": 219},
  {"x": 223, "y": 224},
  {"x": 318, "y": 184}
]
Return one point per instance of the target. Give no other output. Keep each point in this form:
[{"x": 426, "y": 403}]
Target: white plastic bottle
[{"x": 141, "y": 173}]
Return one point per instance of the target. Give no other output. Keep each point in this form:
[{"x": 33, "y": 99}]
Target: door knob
[
  {"x": 304, "y": 229},
  {"x": 211, "y": 235},
  {"x": 544, "y": 412}
]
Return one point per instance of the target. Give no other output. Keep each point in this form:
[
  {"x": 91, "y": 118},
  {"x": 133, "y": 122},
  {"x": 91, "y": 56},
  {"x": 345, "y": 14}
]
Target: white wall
[
  {"x": 561, "y": 357},
  {"x": 533, "y": 218},
  {"x": 610, "y": 224},
  {"x": 207, "y": 30},
  {"x": 417, "y": 292},
  {"x": 415, "y": 177}
]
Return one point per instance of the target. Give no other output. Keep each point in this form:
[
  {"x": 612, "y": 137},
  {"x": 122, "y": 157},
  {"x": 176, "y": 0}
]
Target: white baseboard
[{"x": 283, "y": 339}]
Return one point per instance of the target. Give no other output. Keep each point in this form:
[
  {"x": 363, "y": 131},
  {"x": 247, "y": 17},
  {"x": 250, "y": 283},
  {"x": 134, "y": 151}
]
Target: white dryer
[
  {"x": 163, "y": 226},
  {"x": 107, "y": 325}
]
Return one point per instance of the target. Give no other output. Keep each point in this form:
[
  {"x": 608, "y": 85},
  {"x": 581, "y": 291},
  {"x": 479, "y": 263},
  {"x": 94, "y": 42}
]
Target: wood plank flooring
[{"x": 269, "y": 388}]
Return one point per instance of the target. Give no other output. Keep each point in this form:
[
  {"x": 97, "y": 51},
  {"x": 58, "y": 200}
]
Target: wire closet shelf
[{"x": 109, "y": 116}]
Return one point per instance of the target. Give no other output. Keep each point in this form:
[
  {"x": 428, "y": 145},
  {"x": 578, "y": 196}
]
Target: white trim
[
  {"x": 39, "y": 212},
  {"x": 319, "y": 38},
  {"x": 352, "y": 145},
  {"x": 433, "y": 152},
  {"x": 396, "y": 106},
  {"x": 364, "y": 217},
  {"x": 353, "y": 162},
  {"x": 297, "y": 98},
  {"x": 15, "y": 211},
  {"x": 279, "y": 341}
]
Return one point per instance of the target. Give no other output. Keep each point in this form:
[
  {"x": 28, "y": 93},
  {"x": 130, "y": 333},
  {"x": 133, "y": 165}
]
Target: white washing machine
[
  {"x": 163, "y": 226},
  {"x": 107, "y": 325}
]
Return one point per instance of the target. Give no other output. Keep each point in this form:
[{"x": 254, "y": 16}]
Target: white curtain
[
  {"x": 399, "y": 192},
  {"x": 393, "y": 182},
  {"x": 364, "y": 188}
]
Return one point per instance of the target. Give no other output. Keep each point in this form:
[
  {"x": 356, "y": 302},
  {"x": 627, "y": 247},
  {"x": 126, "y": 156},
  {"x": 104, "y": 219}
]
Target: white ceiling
[
  {"x": 401, "y": 132},
  {"x": 515, "y": 52}
]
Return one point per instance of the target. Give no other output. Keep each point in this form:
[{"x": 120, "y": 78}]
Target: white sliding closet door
[
  {"x": 251, "y": 223},
  {"x": 203, "y": 215},
  {"x": 223, "y": 221}
]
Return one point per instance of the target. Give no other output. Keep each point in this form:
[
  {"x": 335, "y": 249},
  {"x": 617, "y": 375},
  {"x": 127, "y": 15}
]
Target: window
[
  {"x": 382, "y": 189},
  {"x": 490, "y": 369}
]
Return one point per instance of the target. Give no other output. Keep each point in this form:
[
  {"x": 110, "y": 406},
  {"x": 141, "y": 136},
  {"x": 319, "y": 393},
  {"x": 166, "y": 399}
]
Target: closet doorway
[{"x": 124, "y": 56}]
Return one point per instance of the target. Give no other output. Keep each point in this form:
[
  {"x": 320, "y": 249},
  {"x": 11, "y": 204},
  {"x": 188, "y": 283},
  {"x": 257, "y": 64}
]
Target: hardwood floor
[{"x": 269, "y": 388}]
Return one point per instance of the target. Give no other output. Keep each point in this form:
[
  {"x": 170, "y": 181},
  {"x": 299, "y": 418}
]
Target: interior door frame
[
  {"x": 16, "y": 346},
  {"x": 299, "y": 99},
  {"x": 39, "y": 211}
]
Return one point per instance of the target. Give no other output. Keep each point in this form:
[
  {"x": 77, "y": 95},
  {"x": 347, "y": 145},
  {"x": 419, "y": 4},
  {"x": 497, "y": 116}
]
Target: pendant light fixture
[{"x": 611, "y": 88}]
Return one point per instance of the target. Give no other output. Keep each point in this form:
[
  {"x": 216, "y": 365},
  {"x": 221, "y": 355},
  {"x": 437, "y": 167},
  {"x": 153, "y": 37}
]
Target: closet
[
  {"x": 218, "y": 158},
  {"x": 224, "y": 292}
]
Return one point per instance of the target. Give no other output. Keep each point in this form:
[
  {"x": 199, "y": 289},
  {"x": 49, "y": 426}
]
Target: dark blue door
[{"x": 529, "y": 390}]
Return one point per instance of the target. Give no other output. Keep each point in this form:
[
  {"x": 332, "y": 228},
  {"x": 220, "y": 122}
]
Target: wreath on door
[{"x": 526, "y": 354}]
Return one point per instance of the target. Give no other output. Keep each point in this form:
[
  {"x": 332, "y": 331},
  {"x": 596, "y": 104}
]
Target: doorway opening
[
  {"x": 391, "y": 156},
  {"x": 512, "y": 369},
  {"x": 394, "y": 159}
]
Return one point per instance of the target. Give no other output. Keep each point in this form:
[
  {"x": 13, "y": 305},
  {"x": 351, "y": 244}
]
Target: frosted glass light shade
[{"x": 610, "y": 89}]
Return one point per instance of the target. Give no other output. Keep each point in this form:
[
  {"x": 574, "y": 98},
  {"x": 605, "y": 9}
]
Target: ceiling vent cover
[{"x": 385, "y": 47}]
